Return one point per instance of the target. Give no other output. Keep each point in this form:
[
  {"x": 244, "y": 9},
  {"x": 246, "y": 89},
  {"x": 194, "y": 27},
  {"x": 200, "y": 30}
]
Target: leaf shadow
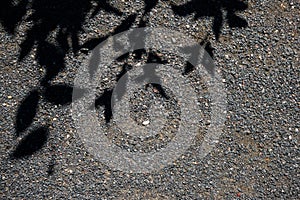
[
  {"x": 66, "y": 18},
  {"x": 27, "y": 111},
  {"x": 61, "y": 94},
  {"x": 11, "y": 14},
  {"x": 214, "y": 8},
  {"x": 104, "y": 100},
  {"x": 31, "y": 143}
]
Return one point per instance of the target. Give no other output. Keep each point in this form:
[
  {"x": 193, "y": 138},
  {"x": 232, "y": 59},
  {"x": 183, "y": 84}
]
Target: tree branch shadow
[
  {"x": 215, "y": 9},
  {"x": 66, "y": 18}
]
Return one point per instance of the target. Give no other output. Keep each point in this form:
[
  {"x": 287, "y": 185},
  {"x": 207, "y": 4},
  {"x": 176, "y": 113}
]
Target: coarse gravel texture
[{"x": 257, "y": 156}]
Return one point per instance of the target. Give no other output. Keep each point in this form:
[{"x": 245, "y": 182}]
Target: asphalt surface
[{"x": 256, "y": 52}]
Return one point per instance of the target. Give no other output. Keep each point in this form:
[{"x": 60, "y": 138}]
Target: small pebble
[{"x": 146, "y": 122}]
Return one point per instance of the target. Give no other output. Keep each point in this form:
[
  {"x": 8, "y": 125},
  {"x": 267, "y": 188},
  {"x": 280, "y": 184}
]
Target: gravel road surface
[{"x": 255, "y": 45}]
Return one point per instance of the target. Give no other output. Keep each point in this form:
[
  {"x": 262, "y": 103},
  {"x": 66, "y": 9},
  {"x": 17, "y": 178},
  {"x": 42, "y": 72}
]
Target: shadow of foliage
[
  {"x": 11, "y": 14},
  {"x": 62, "y": 94},
  {"x": 30, "y": 144},
  {"x": 66, "y": 18},
  {"x": 214, "y": 8},
  {"x": 27, "y": 111},
  {"x": 105, "y": 101},
  {"x": 53, "y": 64}
]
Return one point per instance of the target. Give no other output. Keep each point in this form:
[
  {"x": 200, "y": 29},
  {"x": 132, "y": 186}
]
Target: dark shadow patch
[
  {"x": 188, "y": 68},
  {"x": 236, "y": 21},
  {"x": 155, "y": 58},
  {"x": 50, "y": 169},
  {"x": 122, "y": 87},
  {"x": 32, "y": 143},
  {"x": 105, "y": 101},
  {"x": 27, "y": 111},
  {"x": 52, "y": 163},
  {"x": 149, "y": 5},
  {"x": 52, "y": 58},
  {"x": 208, "y": 48},
  {"x": 214, "y": 8},
  {"x": 62, "y": 94},
  {"x": 11, "y": 13}
]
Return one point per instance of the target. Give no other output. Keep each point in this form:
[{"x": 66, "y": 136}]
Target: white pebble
[{"x": 146, "y": 122}]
